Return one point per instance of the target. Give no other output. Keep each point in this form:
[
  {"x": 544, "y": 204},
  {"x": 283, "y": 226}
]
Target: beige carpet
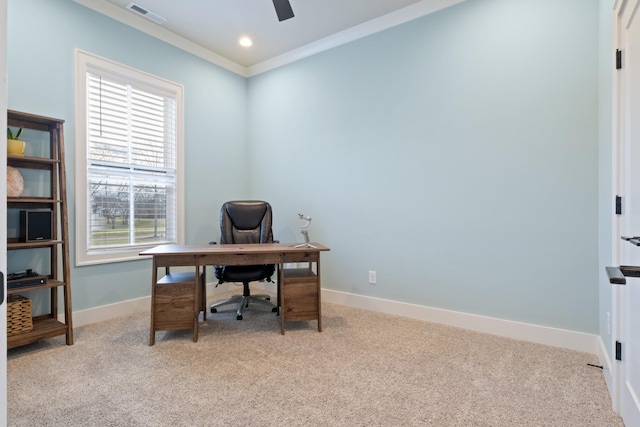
[{"x": 364, "y": 369}]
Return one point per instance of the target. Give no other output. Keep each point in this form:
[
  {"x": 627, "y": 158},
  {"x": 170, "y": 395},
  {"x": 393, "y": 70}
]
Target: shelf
[
  {"x": 32, "y": 162},
  {"x": 299, "y": 273},
  {"x": 42, "y": 328},
  {"x": 30, "y": 159},
  {"x": 50, "y": 284},
  {"x": 28, "y": 200},
  {"x": 13, "y": 243},
  {"x": 32, "y": 121}
]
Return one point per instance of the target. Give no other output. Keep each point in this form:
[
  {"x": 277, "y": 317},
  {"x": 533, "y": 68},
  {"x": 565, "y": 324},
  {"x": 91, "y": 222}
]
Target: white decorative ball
[{"x": 15, "y": 182}]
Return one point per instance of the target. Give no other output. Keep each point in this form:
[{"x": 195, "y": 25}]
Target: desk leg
[
  {"x": 203, "y": 293},
  {"x": 281, "y": 296},
  {"x": 279, "y": 268},
  {"x": 197, "y": 291},
  {"x": 154, "y": 280},
  {"x": 319, "y": 295}
]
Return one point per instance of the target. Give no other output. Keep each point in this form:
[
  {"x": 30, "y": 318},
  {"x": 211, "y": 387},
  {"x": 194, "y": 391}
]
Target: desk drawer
[
  {"x": 301, "y": 257},
  {"x": 174, "y": 306},
  {"x": 300, "y": 295},
  {"x": 239, "y": 259}
]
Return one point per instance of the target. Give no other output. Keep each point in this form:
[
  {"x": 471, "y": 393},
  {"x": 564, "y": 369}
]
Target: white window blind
[
  {"x": 131, "y": 162},
  {"x": 131, "y": 165}
]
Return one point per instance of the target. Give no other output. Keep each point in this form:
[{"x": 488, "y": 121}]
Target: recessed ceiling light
[{"x": 245, "y": 41}]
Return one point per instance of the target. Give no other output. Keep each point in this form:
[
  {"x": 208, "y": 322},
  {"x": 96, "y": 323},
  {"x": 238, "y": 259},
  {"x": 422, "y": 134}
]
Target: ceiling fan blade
[{"x": 283, "y": 9}]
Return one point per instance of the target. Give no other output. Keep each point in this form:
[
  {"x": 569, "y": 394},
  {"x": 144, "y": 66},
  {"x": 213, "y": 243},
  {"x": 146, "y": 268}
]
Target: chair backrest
[{"x": 246, "y": 221}]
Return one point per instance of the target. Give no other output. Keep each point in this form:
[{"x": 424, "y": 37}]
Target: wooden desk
[{"x": 271, "y": 253}]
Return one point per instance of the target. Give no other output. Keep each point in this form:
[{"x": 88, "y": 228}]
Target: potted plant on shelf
[{"x": 15, "y": 147}]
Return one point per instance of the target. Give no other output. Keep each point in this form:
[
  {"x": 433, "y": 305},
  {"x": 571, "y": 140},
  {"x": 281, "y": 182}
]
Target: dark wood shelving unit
[{"x": 53, "y": 166}]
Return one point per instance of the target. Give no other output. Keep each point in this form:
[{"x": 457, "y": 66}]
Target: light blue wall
[
  {"x": 42, "y": 36},
  {"x": 456, "y": 155}
]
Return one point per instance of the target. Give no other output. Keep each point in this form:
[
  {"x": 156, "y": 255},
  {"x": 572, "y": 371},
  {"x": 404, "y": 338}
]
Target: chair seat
[{"x": 244, "y": 273}]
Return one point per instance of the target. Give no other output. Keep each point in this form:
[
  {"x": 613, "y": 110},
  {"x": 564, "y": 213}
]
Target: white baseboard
[
  {"x": 126, "y": 308},
  {"x": 562, "y": 338},
  {"x": 607, "y": 371},
  {"x": 111, "y": 311}
]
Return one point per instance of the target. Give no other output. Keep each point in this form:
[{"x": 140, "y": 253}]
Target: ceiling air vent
[{"x": 146, "y": 13}]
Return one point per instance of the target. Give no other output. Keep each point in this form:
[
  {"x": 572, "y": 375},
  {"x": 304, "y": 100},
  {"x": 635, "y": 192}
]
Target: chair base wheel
[{"x": 244, "y": 301}]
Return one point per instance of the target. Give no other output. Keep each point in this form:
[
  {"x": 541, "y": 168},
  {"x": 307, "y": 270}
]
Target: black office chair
[{"x": 243, "y": 222}]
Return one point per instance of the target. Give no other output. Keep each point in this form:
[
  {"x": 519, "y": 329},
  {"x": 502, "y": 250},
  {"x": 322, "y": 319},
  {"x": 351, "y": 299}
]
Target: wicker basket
[{"x": 18, "y": 315}]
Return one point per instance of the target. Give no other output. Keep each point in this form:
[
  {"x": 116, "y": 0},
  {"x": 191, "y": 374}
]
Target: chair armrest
[{"x": 213, "y": 242}]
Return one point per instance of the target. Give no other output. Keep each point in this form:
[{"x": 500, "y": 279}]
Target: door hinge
[
  {"x": 618, "y": 205},
  {"x": 618, "y": 350},
  {"x": 618, "y": 59}
]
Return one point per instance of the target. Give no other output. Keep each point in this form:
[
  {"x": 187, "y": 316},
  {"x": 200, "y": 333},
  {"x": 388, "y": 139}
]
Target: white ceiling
[{"x": 212, "y": 28}]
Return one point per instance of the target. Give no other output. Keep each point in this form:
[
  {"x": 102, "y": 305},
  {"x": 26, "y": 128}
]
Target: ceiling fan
[{"x": 283, "y": 9}]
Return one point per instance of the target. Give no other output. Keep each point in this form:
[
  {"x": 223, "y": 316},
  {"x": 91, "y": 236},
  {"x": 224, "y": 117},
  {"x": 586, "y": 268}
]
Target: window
[{"x": 128, "y": 161}]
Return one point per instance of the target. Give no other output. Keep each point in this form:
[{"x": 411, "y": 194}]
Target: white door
[
  {"x": 3, "y": 211},
  {"x": 628, "y": 134}
]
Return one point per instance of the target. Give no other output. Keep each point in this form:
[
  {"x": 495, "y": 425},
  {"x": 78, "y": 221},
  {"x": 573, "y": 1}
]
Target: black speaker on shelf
[{"x": 36, "y": 225}]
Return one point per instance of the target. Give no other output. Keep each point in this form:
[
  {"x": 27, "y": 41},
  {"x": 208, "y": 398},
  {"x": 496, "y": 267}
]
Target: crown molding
[
  {"x": 365, "y": 29},
  {"x": 393, "y": 19},
  {"x": 154, "y": 30}
]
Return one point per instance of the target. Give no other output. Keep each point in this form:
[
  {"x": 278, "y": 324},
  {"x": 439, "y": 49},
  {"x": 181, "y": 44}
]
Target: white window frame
[{"x": 85, "y": 62}]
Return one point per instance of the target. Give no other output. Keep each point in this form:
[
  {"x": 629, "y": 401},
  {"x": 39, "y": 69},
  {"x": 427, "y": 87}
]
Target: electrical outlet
[{"x": 372, "y": 277}]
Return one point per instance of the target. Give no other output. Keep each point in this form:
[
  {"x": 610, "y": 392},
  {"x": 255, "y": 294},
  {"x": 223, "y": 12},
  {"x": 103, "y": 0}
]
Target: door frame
[
  {"x": 621, "y": 178},
  {"x": 3, "y": 211},
  {"x": 618, "y": 172}
]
